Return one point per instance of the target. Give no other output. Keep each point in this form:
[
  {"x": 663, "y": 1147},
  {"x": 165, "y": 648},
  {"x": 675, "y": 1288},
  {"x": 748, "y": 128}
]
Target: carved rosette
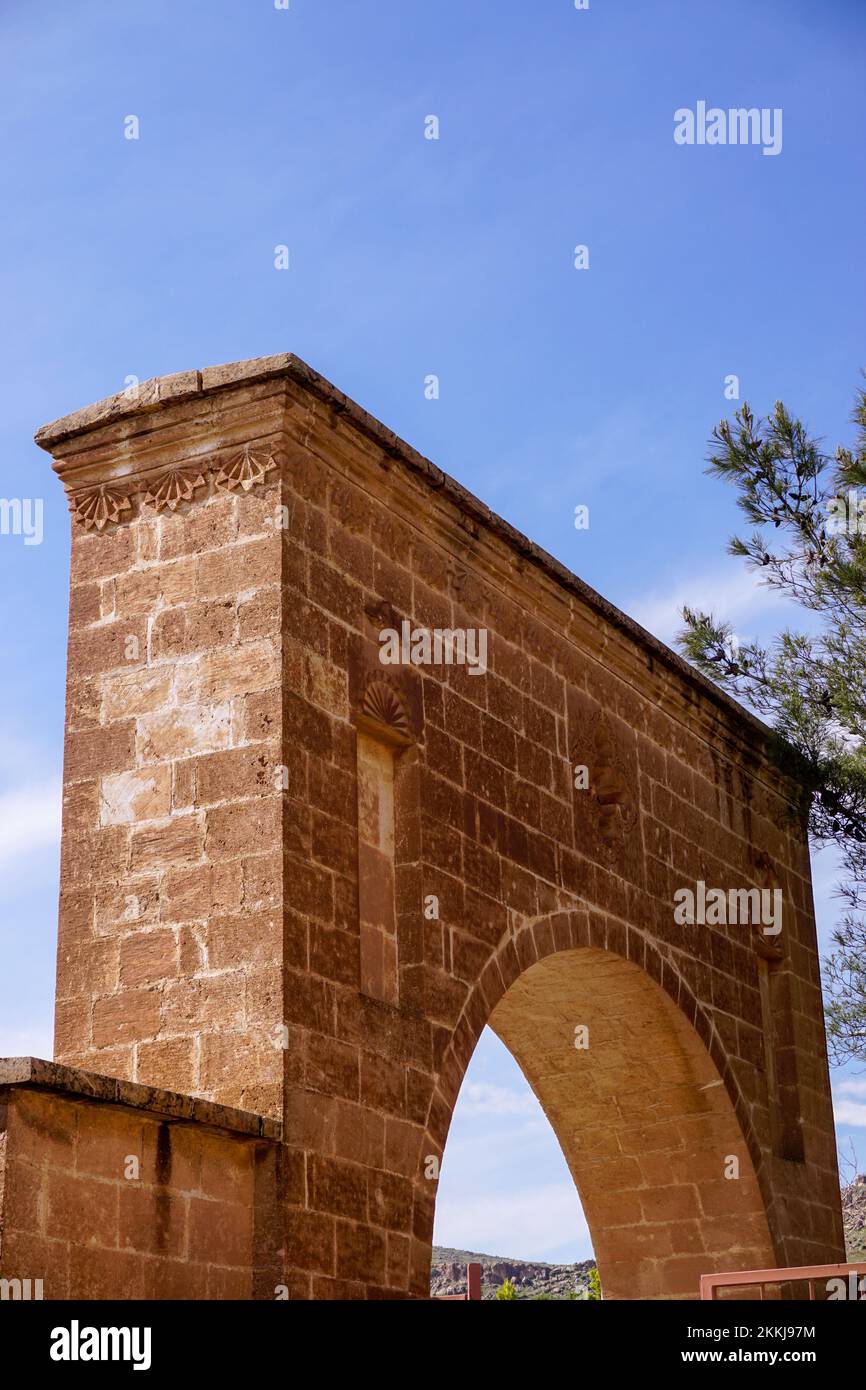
[
  {"x": 174, "y": 486},
  {"x": 95, "y": 507},
  {"x": 244, "y": 471}
]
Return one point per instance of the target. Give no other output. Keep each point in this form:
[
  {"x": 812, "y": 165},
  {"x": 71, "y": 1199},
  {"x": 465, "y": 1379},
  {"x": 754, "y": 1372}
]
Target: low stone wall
[{"x": 110, "y": 1189}]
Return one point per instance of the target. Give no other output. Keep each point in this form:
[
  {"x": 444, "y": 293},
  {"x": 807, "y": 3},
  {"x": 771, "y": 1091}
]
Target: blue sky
[{"x": 305, "y": 127}]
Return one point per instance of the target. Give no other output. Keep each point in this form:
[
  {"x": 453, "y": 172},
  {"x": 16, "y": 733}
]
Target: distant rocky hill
[
  {"x": 536, "y": 1280},
  {"x": 448, "y": 1275}
]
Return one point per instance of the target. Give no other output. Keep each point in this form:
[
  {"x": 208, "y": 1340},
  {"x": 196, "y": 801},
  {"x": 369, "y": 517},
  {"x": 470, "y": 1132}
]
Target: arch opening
[{"x": 643, "y": 1119}]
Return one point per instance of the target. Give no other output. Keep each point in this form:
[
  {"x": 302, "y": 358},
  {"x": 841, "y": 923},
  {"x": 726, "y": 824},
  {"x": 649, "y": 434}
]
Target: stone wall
[
  {"x": 170, "y": 953},
  {"x": 114, "y": 1191}
]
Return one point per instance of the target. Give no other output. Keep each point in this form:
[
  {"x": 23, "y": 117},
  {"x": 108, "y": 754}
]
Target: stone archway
[
  {"x": 644, "y": 1120},
  {"x": 298, "y": 881}
]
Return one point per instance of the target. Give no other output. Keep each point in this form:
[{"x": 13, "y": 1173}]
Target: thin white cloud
[
  {"x": 27, "y": 1042},
  {"x": 850, "y": 1112},
  {"x": 29, "y": 820},
  {"x": 528, "y": 1225},
  {"x": 734, "y": 594},
  {"x": 632, "y": 431},
  {"x": 485, "y": 1098}
]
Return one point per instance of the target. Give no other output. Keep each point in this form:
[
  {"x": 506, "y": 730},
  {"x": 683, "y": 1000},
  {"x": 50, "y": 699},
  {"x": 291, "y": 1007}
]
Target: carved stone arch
[
  {"x": 650, "y": 1129},
  {"x": 491, "y": 881}
]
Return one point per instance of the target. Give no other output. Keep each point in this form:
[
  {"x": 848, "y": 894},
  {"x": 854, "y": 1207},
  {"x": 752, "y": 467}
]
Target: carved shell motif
[
  {"x": 242, "y": 472},
  {"x": 382, "y": 704},
  {"x": 96, "y": 508},
  {"x": 174, "y": 486}
]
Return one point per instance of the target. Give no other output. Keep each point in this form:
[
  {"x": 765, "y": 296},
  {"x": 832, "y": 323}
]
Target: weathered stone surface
[
  {"x": 129, "y": 797},
  {"x": 109, "y": 1190},
  {"x": 35, "y": 1073}
]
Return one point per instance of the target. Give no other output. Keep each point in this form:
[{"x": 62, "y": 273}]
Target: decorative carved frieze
[{"x": 96, "y": 507}]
